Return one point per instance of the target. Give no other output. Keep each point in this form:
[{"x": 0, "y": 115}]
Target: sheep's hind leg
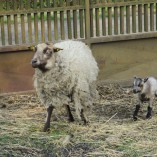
[
  {"x": 136, "y": 112},
  {"x": 83, "y": 117},
  {"x": 48, "y": 118},
  {"x": 71, "y": 118}
]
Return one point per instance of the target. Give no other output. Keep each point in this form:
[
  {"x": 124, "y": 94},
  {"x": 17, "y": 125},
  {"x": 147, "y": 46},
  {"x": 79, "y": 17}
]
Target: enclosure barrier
[{"x": 24, "y": 22}]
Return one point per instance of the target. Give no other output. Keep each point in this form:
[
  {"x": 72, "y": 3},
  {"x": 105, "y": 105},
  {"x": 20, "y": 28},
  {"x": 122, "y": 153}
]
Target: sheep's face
[
  {"x": 44, "y": 57},
  {"x": 138, "y": 85}
]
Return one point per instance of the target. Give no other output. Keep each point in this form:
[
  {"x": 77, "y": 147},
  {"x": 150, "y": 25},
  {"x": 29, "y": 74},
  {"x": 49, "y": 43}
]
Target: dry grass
[{"x": 111, "y": 132}]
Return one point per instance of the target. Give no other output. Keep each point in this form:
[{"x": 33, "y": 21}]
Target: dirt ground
[{"x": 110, "y": 133}]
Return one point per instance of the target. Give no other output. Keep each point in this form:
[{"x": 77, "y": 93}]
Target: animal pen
[{"x": 27, "y": 22}]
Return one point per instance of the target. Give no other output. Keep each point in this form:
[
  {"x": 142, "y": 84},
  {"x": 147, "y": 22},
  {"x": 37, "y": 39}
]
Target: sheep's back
[{"x": 78, "y": 58}]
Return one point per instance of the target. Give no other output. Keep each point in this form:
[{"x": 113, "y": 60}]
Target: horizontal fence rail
[{"x": 23, "y": 22}]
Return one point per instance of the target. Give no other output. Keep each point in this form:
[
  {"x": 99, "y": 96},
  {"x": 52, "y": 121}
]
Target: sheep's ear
[
  {"x": 32, "y": 48},
  {"x": 56, "y": 49},
  {"x": 135, "y": 77},
  {"x": 145, "y": 79}
]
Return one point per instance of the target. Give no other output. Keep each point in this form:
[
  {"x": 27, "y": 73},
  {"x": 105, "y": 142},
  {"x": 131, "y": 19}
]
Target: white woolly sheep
[
  {"x": 146, "y": 90},
  {"x": 65, "y": 73}
]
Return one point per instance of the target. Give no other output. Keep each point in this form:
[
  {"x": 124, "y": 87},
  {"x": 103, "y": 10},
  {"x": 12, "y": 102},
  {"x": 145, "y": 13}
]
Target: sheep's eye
[
  {"x": 45, "y": 50},
  {"x": 140, "y": 85}
]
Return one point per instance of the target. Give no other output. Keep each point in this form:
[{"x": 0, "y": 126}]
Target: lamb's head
[
  {"x": 138, "y": 84},
  {"x": 44, "y": 57}
]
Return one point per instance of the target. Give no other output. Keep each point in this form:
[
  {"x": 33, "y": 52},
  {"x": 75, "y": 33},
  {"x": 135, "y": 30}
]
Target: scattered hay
[{"x": 111, "y": 133}]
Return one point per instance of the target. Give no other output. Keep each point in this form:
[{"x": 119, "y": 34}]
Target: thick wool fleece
[{"x": 71, "y": 79}]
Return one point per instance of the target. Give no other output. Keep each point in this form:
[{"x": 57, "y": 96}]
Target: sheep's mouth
[
  {"x": 136, "y": 91},
  {"x": 40, "y": 67}
]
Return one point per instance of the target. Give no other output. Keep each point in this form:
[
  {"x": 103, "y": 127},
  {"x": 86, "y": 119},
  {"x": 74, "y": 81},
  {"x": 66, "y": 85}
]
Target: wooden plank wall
[{"x": 26, "y": 22}]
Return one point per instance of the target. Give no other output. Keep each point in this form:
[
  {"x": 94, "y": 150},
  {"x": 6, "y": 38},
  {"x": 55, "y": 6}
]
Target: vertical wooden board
[
  {"x": 42, "y": 27},
  {"x": 35, "y": 4},
  {"x": 134, "y": 18},
  {"x": 97, "y": 22},
  {"x": 2, "y": 30},
  {"x": 23, "y": 28},
  {"x": 152, "y": 16},
  {"x": 28, "y": 2},
  {"x": 9, "y": 24},
  {"x": 49, "y": 26},
  {"x": 36, "y": 26},
  {"x": 68, "y": 12},
  {"x": 128, "y": 19},
  {"x": 109, "y": 20},
  {"x": 91, "y": 23},
  {"x": 75, "y": 20},
  {"x": 16, "y": 24},
  {"x": 55, "y": 21},
  {"x": 62, "y": 29},
  {"x": 103, "y": 21},
  {"x": 69, "y": 24},
  {"x": 42, "y": 22},
  {"x": 16, "y": 29},
  {"x": 41, "y": 3},
  {"x": 29, "y": 21},
  {"x": 9, "y": 29},
  {"x": 55, "y": 25},
  {"x": 87, "y": 21},
  {"x": 156, "y": 15},
  {"x": 81, "y": 19},
  {"x": 146, "y": 17},
  {"x": 122, "y": 20},
  {"x": 35, "y": 22},
  {"x": 115, "y": 20},
  {"x": 48, "y": 4},
  {"x": 140, "y": 17}
]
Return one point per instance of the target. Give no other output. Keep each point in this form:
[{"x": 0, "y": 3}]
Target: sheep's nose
[
  {"x": 134, "y": 91},
  {"x": 34, "y": 63}
]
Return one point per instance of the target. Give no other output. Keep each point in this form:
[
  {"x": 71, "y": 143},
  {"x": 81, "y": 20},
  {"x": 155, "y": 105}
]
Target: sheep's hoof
[
  {"x": 46, "y": 128},
  {"x": 70, "y": 120},
  {"x": 148, "y": 116},
  {"x": 85, "y": 122},
  {"x": 135, "y": 118}
]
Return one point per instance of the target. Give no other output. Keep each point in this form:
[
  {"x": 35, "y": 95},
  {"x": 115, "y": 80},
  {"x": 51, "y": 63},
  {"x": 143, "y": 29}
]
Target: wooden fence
[{"x": 23, "y": 22}]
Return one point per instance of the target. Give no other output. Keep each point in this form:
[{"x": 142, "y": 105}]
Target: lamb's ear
[
  {"x": 56, "y": 49},
  {"x": 134, "y": 77},
  {"x": 32, "y": 47},
  {"x": 145, "y": 79}
]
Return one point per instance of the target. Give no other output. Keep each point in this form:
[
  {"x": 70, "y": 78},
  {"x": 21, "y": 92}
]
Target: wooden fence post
[{"x": 87, "y": 22}]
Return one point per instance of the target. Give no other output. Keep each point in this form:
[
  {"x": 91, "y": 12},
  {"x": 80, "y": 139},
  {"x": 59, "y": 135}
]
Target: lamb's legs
[
  {"x": 149, "y": 109},
  {"x": 48, "y": 118},
  {"x": 136, "y": 112},
  {"x": 71, "y": 118}
]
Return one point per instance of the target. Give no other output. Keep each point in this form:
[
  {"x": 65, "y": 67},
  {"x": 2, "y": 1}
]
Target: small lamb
[
  {"x": 146, "y": 90},
  {"x": 65, "y": 73}
]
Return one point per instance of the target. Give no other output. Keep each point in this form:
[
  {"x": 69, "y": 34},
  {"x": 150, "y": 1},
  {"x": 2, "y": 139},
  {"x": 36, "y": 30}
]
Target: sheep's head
[
  {"x": 44, "y": 57},
  {"x": 138, "y": 85}
]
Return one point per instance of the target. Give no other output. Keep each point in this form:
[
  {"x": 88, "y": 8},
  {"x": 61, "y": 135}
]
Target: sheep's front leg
[
  {"x": 149, "y": 109},
  {"x": 48, "y": 118},
  {"x": 71, "y": 118}
]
